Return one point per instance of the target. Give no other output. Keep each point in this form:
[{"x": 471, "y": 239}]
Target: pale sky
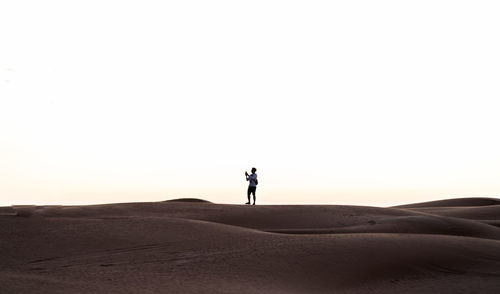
[{"x": 335, "y": 102}]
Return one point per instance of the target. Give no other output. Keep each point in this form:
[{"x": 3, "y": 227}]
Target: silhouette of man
[{"x": 252, "y": 184}]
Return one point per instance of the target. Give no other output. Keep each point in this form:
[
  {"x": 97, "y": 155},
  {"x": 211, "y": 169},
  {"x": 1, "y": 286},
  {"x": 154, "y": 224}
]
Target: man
[{"x": 252, "y": 185}]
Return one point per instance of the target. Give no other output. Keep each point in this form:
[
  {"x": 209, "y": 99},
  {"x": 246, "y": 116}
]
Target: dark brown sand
[{"x": 448, "y": 246}]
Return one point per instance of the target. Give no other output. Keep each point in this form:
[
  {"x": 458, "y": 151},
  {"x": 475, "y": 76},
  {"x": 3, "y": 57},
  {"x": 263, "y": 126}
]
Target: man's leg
[
  {"x": 253, "y": 191},
  {"x": 248, "y": 195}
]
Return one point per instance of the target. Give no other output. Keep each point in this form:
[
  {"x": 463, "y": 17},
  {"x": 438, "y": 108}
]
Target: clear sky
[{"x": 335, "y": 102}]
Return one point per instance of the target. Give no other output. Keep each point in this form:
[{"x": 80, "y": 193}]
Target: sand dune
[
  {"x": 200, "y": 247},
  {"x": 454, "y": 203},
  {"x": 470, "y": 212}
]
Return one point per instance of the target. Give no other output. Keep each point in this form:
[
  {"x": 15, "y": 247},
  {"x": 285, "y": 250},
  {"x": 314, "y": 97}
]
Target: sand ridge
[{"x": 201, "y": 247}]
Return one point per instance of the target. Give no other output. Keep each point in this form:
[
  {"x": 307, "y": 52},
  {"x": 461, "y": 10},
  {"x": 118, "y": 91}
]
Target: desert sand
[{"x": 194, "y": 246}]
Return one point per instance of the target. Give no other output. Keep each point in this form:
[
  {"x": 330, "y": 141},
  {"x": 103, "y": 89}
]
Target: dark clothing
[{"x": 251, "y": 190}]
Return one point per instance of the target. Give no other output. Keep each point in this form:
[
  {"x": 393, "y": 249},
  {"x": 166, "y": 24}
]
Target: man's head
[{"x": 253, "y": 170}]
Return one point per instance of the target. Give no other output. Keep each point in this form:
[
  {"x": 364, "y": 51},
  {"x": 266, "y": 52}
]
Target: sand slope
[{"x": 200, "y": 247}]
